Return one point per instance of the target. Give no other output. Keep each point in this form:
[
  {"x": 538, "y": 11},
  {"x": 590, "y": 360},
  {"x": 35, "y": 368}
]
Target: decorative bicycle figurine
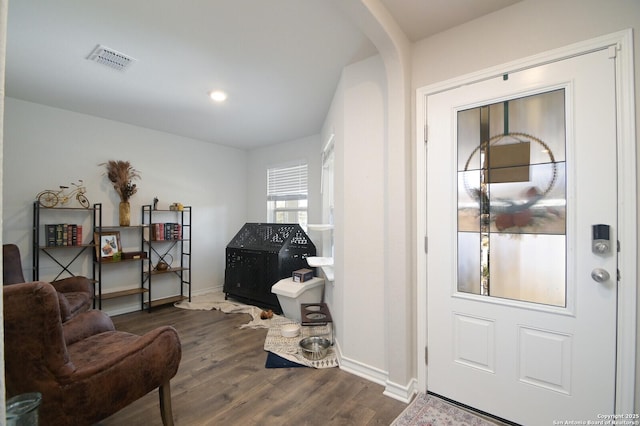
[{"x": 50, "y": 198}]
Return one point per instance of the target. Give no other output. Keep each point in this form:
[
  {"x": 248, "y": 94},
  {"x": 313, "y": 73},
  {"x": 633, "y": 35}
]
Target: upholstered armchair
[
  {"x": 75, "y": 293},
  {"x": 84, "y": 368}
]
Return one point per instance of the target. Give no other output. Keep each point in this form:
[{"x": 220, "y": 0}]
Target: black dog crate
[{"x": 260, "y": 255}]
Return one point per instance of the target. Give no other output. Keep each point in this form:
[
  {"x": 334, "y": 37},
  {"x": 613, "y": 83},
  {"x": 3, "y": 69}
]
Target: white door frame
[{"x": 620, "y": 44}]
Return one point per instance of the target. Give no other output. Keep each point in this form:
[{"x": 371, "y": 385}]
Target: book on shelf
[
  {"x": 63, "y": 234},
  {"x": 166, "y": 231}
]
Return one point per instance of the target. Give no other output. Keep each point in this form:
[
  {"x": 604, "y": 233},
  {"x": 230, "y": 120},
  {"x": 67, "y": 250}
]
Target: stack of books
[
  {"x": 63, "y": 234},
  {"x": 166, "y": 231}
]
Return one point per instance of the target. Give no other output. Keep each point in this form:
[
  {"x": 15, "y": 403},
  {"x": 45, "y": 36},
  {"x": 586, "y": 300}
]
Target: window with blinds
[{"x": 287, "y": 194}]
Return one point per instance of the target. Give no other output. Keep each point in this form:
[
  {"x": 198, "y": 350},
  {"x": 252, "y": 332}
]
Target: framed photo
[{"x": 107, "y": 244}]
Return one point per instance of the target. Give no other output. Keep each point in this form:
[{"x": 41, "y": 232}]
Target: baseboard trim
[
  {"x": 362, "y": 370},
  {"x": 214, "y": 289},
  {"x": 122, "y": 309},
  {"x": 402, "y": 393}
]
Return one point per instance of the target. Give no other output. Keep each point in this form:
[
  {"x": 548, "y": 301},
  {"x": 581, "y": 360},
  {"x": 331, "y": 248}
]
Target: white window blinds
[{"x": 287, "y": 183}]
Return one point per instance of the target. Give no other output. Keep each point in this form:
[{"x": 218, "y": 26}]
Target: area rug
[
  {"x": 288, "y": 347},
  {"x": 216, "y": 300},
  {"x": 428, "y": 410}
]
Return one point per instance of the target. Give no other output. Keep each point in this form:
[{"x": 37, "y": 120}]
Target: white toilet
[{"x": 291, "y": 295}]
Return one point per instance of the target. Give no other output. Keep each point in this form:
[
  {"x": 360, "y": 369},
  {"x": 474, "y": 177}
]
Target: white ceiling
[{"x": 278, "y": 60}]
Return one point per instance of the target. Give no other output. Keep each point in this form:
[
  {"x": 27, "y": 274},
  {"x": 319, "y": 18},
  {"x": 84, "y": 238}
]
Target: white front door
[{"x": 521, "y": 313}]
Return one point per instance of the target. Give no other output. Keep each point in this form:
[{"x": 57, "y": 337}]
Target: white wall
[
  {"x": 46, "y": 147},
  {"x": 524, "y": 29},
  {"x": 357, "y": 118},
  {"x": 334, "y": 126},
  {"x": 394, "y": 364},
  {"x": 363, "y": 252},
  {"x": 261, "y": 159}
]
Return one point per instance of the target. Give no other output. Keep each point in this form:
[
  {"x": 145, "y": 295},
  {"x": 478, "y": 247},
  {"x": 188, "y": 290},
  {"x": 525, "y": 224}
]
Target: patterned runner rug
[{"x": 428, "y": 410}]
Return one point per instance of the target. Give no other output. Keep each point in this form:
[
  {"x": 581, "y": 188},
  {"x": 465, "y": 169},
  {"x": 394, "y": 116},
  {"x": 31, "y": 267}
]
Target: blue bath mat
[{"x": 276, "y": 361}]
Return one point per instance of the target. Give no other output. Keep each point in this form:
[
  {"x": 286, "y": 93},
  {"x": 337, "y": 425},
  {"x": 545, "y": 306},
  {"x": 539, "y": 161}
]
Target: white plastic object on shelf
[
  {"x": 319, "y": 227},
  {"x": 325, "y": 263},
  {"x": 316, "y": 261}
]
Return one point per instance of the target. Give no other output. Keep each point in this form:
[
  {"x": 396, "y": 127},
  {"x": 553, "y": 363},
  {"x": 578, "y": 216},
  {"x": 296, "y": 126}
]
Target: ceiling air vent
[{"x": 111, "y": 58}]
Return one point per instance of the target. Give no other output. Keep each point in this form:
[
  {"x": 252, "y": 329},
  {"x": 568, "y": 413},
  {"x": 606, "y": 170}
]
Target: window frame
[{"x": 292, "y": 184}]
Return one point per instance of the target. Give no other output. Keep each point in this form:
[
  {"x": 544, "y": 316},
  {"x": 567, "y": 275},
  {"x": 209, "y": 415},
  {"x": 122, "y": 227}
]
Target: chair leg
[{"x": 165, "y": 404}]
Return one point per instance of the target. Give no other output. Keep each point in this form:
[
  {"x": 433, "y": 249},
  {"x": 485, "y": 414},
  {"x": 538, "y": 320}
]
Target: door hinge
[
  {"x": 618, "y": 246},
  {"x": 426, "y": 133},
  {"x": 613, "y": 51},
  {"x": 426, "y": 356},
  {"x": 426, "y": 244}
]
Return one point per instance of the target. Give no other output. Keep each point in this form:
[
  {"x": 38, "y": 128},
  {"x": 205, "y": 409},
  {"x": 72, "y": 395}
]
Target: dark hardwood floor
[{"x": 222, "y": 380}]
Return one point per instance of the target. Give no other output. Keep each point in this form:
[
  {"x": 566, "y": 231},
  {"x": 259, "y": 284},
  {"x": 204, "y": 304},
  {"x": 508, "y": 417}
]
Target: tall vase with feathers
[{"x": 121, "y": 174}]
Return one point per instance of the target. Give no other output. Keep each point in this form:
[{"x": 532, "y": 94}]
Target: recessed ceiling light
[{"x": 218, "y": 95}]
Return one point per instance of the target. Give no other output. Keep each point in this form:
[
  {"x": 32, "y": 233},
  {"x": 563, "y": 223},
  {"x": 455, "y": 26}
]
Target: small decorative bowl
[
  {"x": 315, "y": 347},
  {"x": 290, "y": 330}
]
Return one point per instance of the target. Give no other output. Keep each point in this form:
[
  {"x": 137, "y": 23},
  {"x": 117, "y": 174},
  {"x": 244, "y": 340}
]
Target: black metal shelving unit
[
  {"x": 99, "y": 263},
  {"x": 168, "y": 239},
  {"x": 65, "y": 253}
]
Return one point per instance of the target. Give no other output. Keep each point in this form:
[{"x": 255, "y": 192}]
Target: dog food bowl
[
  {"x": 290, "y": 330},
  {"x": 315, "y": 347}
]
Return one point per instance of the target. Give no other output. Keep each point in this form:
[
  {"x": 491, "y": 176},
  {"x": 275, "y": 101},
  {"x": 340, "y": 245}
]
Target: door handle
[{"x": 600, "y": 275}]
